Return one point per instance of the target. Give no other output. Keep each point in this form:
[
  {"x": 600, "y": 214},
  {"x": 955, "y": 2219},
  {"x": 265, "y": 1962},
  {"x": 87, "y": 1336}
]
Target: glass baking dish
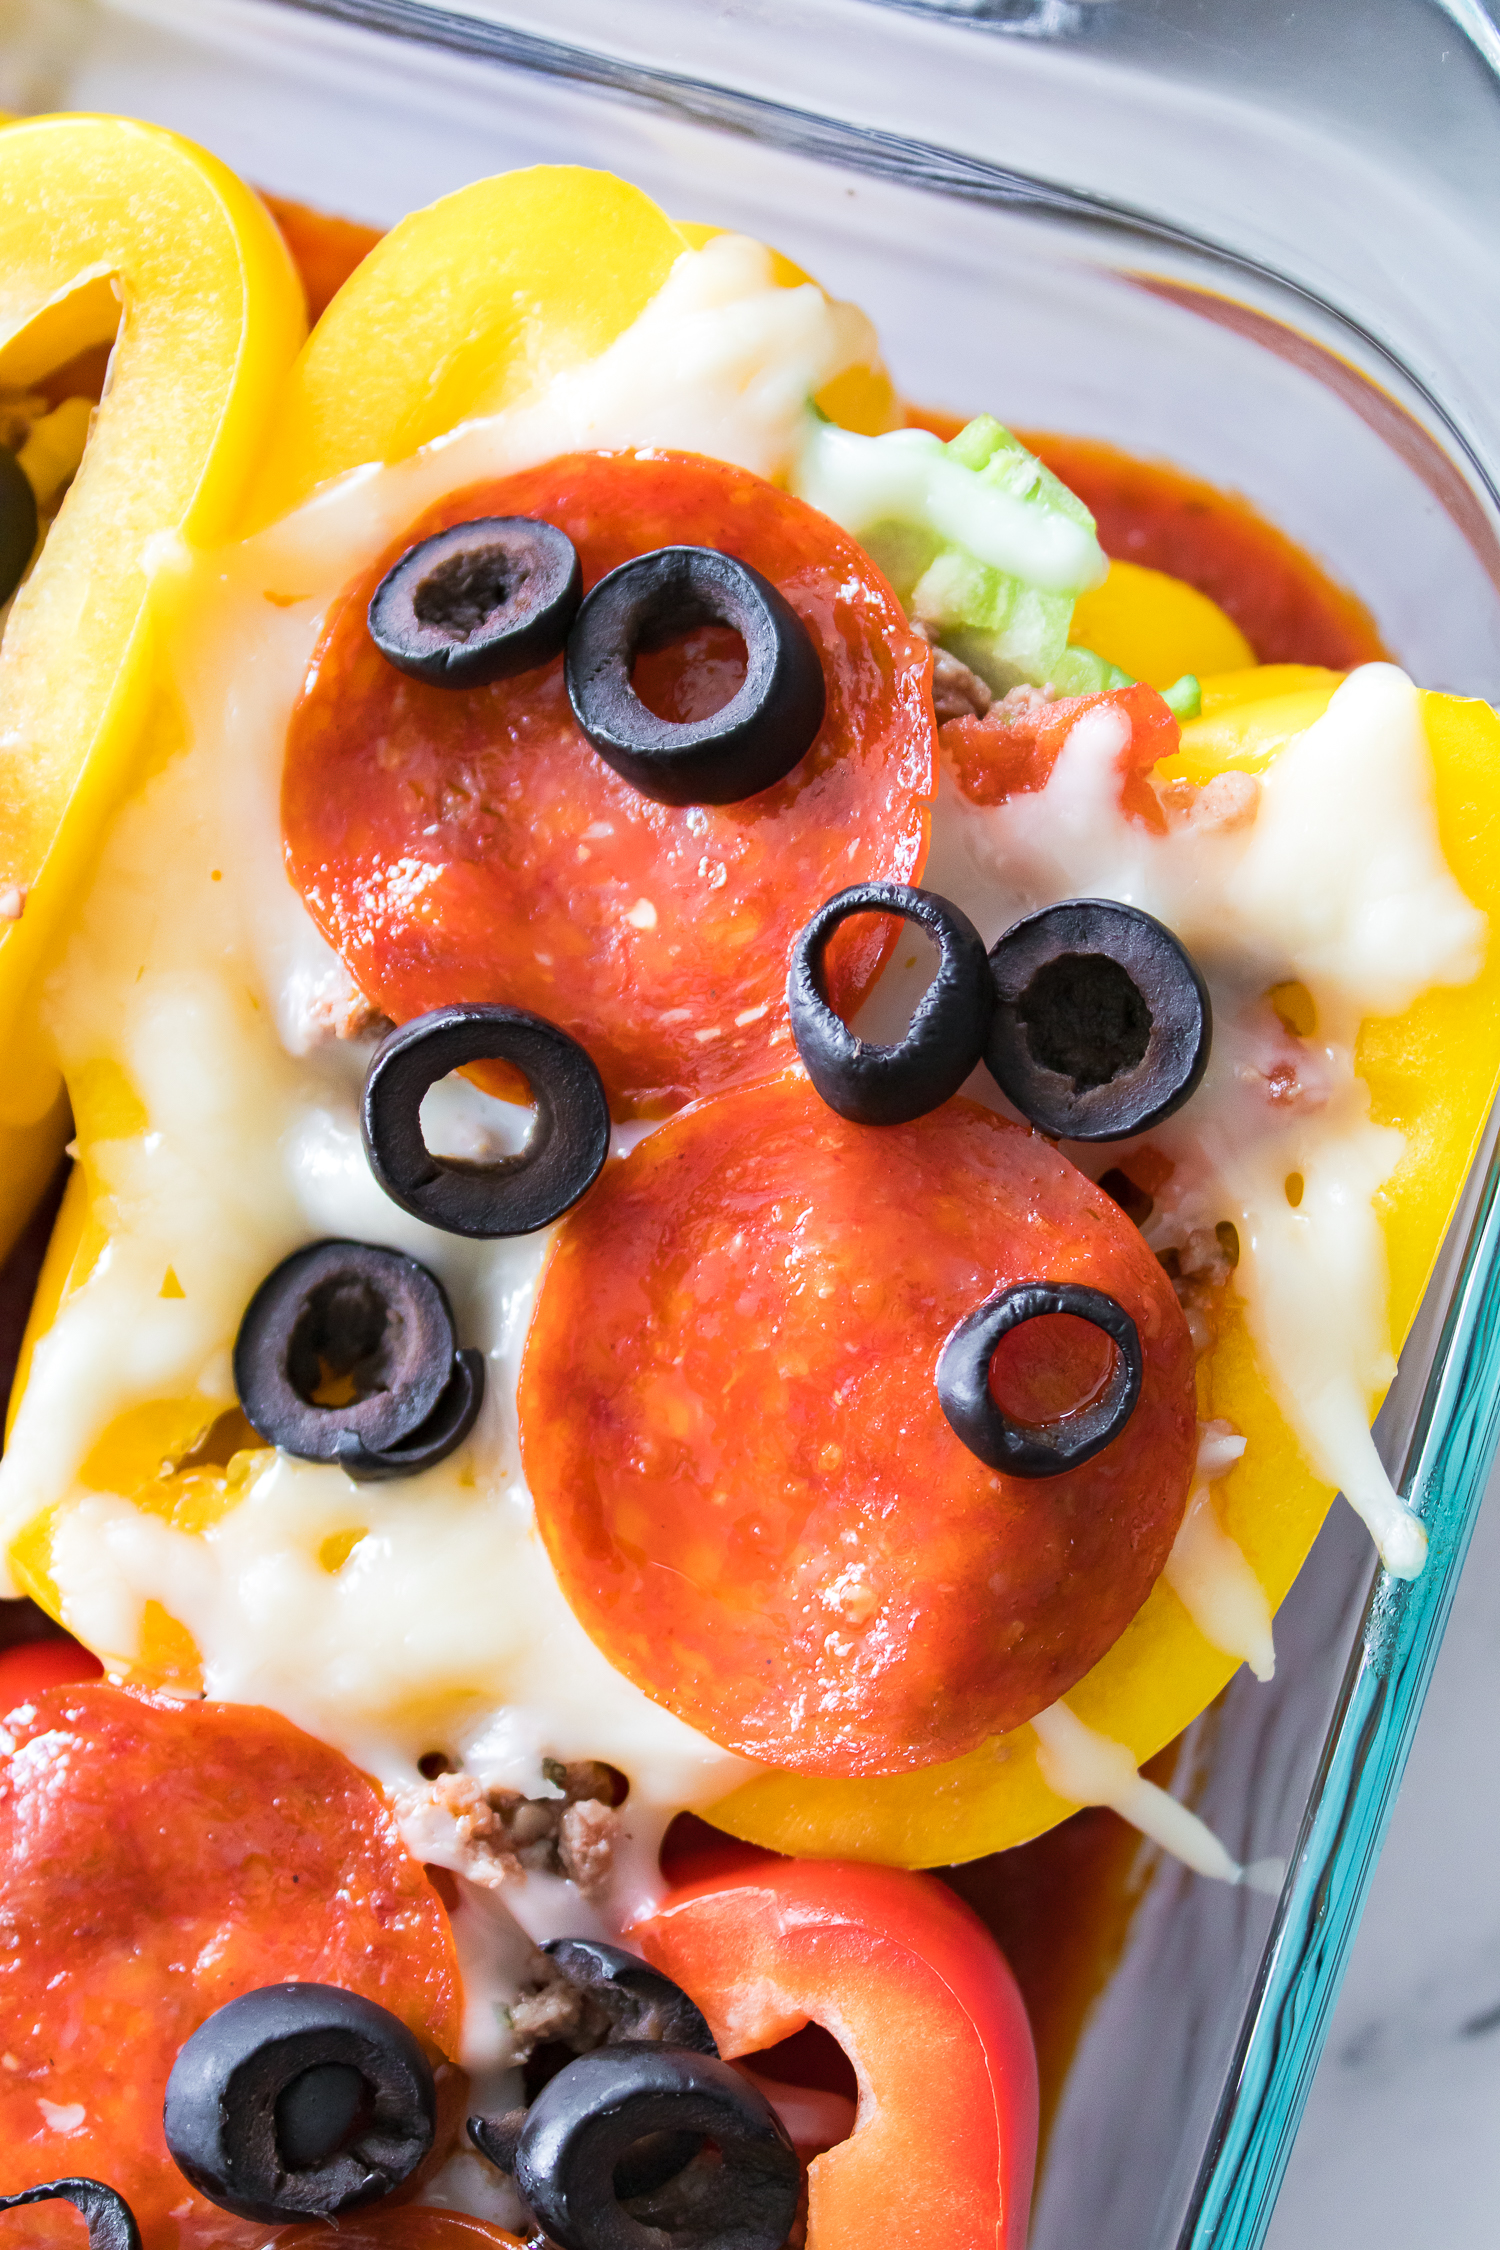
[{"x": 1263, "y": 250}]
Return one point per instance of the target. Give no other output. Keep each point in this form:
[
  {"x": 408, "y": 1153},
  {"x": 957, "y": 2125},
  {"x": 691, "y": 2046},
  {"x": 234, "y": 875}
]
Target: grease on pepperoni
[
  {"x": 156, "y": 1859},
  {"x": 469, "y": 845},
  {"x": 730, "y": 1424}
]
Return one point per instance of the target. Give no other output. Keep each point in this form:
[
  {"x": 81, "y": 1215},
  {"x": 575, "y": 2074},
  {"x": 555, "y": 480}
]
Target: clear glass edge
[
  {"x": 1458, "y": 1428},
  {"x": 1363, "y": 1760},
  {"x": 923, "y": 164}
]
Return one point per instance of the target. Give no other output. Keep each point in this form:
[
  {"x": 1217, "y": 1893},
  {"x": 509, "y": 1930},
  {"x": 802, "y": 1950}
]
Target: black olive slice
[
  {"x": 576, "y": 2159},
  {"x": 1102, "y": 1022},
  {"x": 758, "y": 735},
  {"x": 299, "y": 2101},
  {"x": 640, "y": 2002},
  {"x": 110, "y": 2220},
  {"x": 561, "y": 1160},
  {"x": 346, "y": 1353},
  {"x": 874, "y": 1085},
  {"x": 1024, "y": 1449},
  {"x": 479, "y": 602},
  {"x": 18, "y": 523}
]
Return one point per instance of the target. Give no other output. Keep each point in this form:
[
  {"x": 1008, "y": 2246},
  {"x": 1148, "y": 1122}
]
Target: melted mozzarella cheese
[{"x": 1089, "y": 1769}]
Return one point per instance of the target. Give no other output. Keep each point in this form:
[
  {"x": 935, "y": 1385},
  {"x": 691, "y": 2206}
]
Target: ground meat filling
[
  {"x": 957, "y": 693},
  {"x": 496, "y": 1836}
]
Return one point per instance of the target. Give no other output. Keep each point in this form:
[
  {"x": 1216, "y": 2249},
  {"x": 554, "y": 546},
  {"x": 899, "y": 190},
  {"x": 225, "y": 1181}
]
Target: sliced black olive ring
[
  {"x": 110, "y": 2220},
  {"x": 639, "y": 2001},
  {"x": 576, "y": 2161},
  {"x": 755, "y": 739},
  {"x": 875, "y": 1085},
  {"x": 375, "y": 1330},
  {"x": 1024, "y": 1449},
  {"x": 1102, "y": 1022},
  {"x": 561, "y": 1160},
  {"x": 639, "y": 2004},
  {"x": 18, "y": 523},
  {"x": 299, "y": 2101},
  {"x": 479, "y": 602}
]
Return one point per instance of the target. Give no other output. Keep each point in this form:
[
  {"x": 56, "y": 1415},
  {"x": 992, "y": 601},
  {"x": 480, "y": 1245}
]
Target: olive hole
[
  {"x": 1086, "y": 1018},
  {"x": 1046, "y": 1369},
  {"x": 461, "y": 595},
  {"x": 656, "y": 2158},
  {"x": 689, "y": 672},
  {"x": 344, "y": 1344},
  {"x": 322, "y": 2109},
  {"x": 1294, "y": 1186},
  {"x": 1227, "y": 1235},
  {"x": 465, "y": 1123},
  {"x": 915, "y": 958}
]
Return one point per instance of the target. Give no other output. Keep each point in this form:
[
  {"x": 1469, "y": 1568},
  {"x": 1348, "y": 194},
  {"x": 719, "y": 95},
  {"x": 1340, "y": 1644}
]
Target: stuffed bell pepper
[{"x": 752, "y": 1141}]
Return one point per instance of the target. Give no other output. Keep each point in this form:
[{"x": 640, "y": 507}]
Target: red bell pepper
[
  {"x": 28, "y": 1667},
  {"x": 916, "y": 1992}
]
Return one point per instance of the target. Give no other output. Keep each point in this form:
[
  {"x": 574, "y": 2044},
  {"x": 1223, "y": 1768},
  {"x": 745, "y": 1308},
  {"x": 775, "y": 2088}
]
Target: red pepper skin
[
  {"x": 30, "y": 1667},
  {"x": 919, "y": 1996}
]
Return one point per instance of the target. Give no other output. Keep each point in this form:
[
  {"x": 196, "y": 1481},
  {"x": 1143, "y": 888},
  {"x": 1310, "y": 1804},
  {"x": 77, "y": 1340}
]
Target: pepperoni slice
[
  {"x": 743, "y": 1475},
  {"x": 470, "y": 845},
  {"x": 156, "y": 1859}
]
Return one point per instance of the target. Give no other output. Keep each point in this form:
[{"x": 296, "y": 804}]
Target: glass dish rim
[{"x": 1457, "y": 1429}]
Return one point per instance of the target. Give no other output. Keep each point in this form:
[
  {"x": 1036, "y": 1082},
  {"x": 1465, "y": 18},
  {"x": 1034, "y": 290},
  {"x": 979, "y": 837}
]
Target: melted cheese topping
[
  {"x": 1336, "y": 881},
  {"x": 397, "y": 1619}
]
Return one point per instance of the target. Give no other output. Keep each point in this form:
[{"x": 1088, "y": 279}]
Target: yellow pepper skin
[
  {"x": 1156, "y": 627},
  {"x": 1432, "y": 1073},
  {"x": 461, "y": 310},
  {"x": 110, "y": 226}
]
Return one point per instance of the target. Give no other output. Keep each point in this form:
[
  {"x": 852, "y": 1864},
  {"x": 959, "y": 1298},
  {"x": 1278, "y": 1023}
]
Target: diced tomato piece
[
  {"x": 918, "y": 1995},
  {"x": 743, "y": 1475},
  {"x": 1008, "y": 754},
  {"x": 33, "y": 1666},
  {"x": 468, "y": 844},
  {"x": 156, "y": 1859}
]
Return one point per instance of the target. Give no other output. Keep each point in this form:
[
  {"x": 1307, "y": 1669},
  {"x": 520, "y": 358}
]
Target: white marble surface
[{"x": 1400, "y": 2146}]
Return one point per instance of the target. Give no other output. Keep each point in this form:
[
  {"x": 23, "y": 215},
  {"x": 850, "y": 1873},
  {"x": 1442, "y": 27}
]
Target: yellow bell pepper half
[
  {"x": 112, "y": 229},
  {"x": 1432, "y": 1073}
]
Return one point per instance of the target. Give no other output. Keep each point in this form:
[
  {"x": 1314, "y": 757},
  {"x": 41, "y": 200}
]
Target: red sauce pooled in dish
[
  {"x": 469, "y": 845},
  {"x": 730, "y": 1422},
  {"x": 156, "y": 1860}
]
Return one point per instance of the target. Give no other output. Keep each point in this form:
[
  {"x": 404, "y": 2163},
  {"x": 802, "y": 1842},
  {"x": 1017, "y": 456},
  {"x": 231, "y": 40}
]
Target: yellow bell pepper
[
  {"x": 1156, "y": 627},
  {"x": 111, "y": 228},
  {"x": 578, "y": 256}
]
